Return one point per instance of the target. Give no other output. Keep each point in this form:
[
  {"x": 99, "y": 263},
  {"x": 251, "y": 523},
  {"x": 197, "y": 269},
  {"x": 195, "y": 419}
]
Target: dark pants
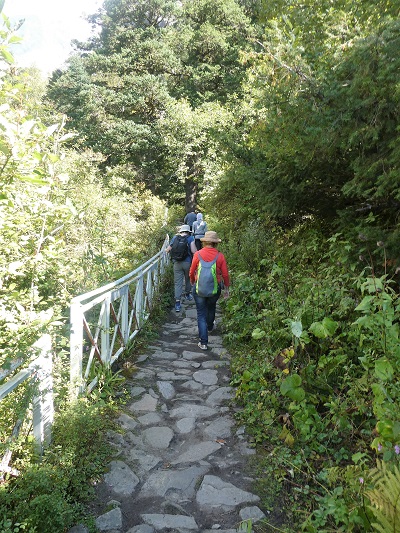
[
  {"x": 197, "y": 242},
  {"x": 205, "y": 313}
]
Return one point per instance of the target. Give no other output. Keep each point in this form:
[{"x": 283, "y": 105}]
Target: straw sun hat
[{"x": 210, "y": 236}]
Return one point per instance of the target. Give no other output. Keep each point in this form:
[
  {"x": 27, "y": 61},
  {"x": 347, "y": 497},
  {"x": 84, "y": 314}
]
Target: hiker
[
  {"x": 199, "y": 230},
  {"x": 208, "y": 275},
  {"x": 181, "y": 250},
  {"x": 189, "y": 219}
]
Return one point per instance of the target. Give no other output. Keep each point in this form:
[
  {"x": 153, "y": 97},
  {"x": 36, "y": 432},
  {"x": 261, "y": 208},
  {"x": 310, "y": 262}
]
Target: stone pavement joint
[{"x": 180, "y": 462}]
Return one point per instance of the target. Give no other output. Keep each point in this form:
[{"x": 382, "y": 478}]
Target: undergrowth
[
  {"x": 48, "y": 495},
  {"x": 313, "y": 323}
]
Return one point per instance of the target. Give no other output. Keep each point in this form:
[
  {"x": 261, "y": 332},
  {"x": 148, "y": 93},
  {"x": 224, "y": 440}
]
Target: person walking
[
  {"x": 189, "y": 219},
  {"x": 199, "y": 230},
  {"x": 181, "y": 250},
  {"x": 208, "y": 274}
]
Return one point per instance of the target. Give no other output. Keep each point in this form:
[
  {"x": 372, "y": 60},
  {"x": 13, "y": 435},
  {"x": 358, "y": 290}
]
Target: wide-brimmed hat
[
  {"x": 184, "y": 229},
  {"x": 210, "y": 236}
]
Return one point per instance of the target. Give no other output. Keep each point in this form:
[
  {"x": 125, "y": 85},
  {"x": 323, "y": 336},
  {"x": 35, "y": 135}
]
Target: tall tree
[{"x": 146, "y": 56}]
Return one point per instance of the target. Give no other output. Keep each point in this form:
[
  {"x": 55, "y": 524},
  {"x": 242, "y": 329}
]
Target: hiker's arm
[
  {"x": 193, "y": 248},
  {"x": 193, "y": 269}
]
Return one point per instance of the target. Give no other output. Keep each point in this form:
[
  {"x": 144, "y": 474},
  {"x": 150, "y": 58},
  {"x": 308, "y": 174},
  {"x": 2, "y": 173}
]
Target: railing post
[
  {"x": 149, "y": 287},
  {"x": 43, "y": 409},
  {"x": 76, "y": 349},
  {"x": 125, "y": 313},
  {"x": 139, "y": 301},
  {"x": 105, "y": 332}
]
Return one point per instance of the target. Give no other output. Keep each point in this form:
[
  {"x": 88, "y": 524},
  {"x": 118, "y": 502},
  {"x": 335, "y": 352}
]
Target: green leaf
[
  {"x": 364, "y": 305},
  {"x": 246, "y": 376},
  {"x": 323, "y": 329},
  {"x": 385, "y": 428},
  {"x": 356, "y": 457},
  {"x": 291, "y": 388},
  {"x": 15, "y": 39},
  {"x": 383, "y": 369},
  {"x": 298, "y": 394},
  {"x": 4, "y": 149},
  {"x": 258, "y": 333},
  {"x": 297, "y": 328},
  {"x": 6, "y": 55}
]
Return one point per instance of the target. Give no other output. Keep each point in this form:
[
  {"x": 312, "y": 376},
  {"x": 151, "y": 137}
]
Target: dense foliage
[{"x": 280, "y": 121}]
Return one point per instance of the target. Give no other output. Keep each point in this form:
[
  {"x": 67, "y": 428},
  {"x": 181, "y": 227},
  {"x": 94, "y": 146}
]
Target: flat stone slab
[
  {"x": 169, "y": 521},
  {"x": 220, "y": 428},
  {"x": 190, "y": 356},
  {"x": 206, "y": 377},
  {"x": 216, "y": 493},
  {"x": 110, "y": 521},
  {"x": 137, "y": 391},
  {"x": 186, "y": 425},
  {"x": 171, "y": 376},
  {"x": 197, "y": 452},
  {"x": 220, "y": 395},
  {"x": 253, "y": 513},
  {"x": 180, "y": 363},
  {"x": 142, "y": 528},
  {"x": 150, "y": 419},
  {"x": 145, "y": 461},
  {"x": 127, "y": 422},
  {"x": 162, "y": 481},
  {"x": 193, "y": 411},
  {"x": 192, "y": 385},
  {"x": 121, "y": 479},
  {"x": 165, "y": 355},
  {"x": 144, "y": 374},
  {"x": 147, "y": 403},
  {"x": 158, "y": 437},
  {"x": 166, "y": 389}
]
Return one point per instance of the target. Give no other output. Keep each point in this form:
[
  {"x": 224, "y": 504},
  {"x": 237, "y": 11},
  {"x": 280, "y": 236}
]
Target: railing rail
[{"x": 104, "y": 320}]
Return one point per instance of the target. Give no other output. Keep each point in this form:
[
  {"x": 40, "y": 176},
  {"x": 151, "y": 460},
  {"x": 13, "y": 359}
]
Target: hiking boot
[
  {"x": 202, "y": 346},
  {"x": 177, "y": 306},
  {"x": 189, "y": 297}
]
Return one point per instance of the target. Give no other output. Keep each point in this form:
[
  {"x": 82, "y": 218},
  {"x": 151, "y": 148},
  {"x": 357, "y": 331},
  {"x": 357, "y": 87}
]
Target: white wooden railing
[
  {"x": 117, "y": 311},
  {"x": 40, "y": 372},
  {"x": 104, "y": 320}
]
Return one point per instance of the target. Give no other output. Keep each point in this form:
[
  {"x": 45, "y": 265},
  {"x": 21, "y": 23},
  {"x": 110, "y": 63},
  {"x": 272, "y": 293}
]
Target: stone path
[{"x": 180, "y": 460}]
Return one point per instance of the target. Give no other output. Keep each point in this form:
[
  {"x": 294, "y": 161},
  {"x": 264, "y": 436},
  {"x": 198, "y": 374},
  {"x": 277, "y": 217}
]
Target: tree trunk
[{"x": 191, "y": 195}]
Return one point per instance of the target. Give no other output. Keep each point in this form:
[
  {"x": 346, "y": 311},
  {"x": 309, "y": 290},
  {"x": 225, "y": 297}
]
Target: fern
[{"x": 385, "y": 498}]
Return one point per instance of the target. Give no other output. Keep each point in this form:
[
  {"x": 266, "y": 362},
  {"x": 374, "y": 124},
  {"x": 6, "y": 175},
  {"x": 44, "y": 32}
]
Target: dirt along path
[{"x": 180, "y": 461}]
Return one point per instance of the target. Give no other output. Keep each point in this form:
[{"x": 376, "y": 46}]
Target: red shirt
[{"x": 208, "y": 254}]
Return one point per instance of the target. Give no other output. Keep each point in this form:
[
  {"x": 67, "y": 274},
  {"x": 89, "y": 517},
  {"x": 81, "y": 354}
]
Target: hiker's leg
[
  {"x": 178, "y": 279},
  {"x": 197, "y": 242},
  {"x": 201, "y": 307},
  {"x": 211, "y": 304},
  {"x": 186, "y": 268}
]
